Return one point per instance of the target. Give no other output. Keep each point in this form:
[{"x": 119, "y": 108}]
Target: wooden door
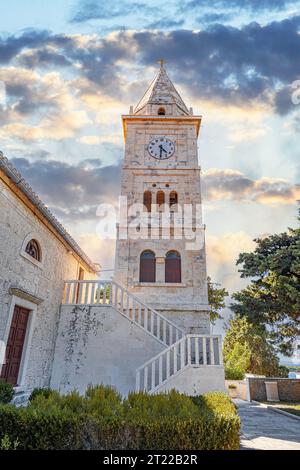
[{"x": 15, "y": 345}]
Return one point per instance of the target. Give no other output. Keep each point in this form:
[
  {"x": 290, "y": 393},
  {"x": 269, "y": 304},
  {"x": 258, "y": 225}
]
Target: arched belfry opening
[
  {"x": 160, "y": 199},
  {"x": 173, "y": 200},
  {"x": 147, "y": 200}
]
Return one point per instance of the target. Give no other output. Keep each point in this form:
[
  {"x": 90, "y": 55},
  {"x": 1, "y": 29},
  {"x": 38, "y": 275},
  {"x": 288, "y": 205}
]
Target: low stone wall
[
  {"x": 288, "y": 389},
  {"x": 240, "y": 390},
  {"x": 196, "y": 381}
]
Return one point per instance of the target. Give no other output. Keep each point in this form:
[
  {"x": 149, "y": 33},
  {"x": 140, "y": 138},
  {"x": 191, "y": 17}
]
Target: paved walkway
[{"x": 265, "y": 429}]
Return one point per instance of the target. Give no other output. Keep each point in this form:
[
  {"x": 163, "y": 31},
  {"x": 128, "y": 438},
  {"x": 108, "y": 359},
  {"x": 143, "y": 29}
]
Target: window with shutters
[
  {"x": 147, "y": 266},
  {"x": 33, "y": 249},
  {"x": 173, "y": 267}
]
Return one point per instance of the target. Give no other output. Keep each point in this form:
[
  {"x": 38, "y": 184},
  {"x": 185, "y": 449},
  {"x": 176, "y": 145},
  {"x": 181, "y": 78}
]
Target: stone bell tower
[{"x": 161, "y": 258}]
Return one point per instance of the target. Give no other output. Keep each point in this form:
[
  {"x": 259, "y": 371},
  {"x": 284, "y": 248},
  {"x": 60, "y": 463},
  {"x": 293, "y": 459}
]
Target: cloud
[
  {"x": 207, "y": 18},
  {"x": 222, "y": 253},
  {"x": 252, "y": 5},
  {"x": 166, "y": 23},
  {"x": 31, "y": 38},
  {"x": 243, "y": 66},
  {"x": 227, "y": 184},
  {"x": 72, "y": 191},
  {"x": 97, "y": 140},
  {"x": 102, "y": 10},
  {"x": 99, "y": 250},
  {"x": 46, "y": 98}
]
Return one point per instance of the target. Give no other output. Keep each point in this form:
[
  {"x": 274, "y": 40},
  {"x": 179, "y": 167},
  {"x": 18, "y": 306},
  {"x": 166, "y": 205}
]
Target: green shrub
[
  {"x": 44, "y": 392},
  {"x": 233, "y": 374},
  {"x": 102, "y": 420},
  {"x": 6, "y": 444},
  {"x": 232, "y": 387},
  {"x": 6, "y": 392}
]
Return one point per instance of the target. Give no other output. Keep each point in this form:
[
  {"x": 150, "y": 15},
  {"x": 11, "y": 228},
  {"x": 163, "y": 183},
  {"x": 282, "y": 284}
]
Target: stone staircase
[{"x": 182, "y": 353}]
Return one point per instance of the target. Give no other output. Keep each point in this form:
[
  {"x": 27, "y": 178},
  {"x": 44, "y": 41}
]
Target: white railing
[
  {"x": 191, "y": 350},
  {"x": 111, "y": 293}
]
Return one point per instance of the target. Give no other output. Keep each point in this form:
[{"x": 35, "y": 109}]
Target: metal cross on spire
[{"x": 161, "y": 62}]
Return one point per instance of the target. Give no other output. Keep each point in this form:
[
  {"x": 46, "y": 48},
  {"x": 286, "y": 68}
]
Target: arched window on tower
[
  {"x": 160, "y": 198},
  {"x": 173, "y": 267},
  {"x": 173, "y": 200},
  {"x": 161, "y": 112},
  {"x": 147, "y": 200},
  {"x": 147, "y": 266},
  {"x": 33, "y": 249}
]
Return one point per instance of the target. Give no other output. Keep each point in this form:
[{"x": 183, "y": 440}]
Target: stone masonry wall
[
  {"x": 288, "y": 389},
  {"x": 46, "y": 282}
]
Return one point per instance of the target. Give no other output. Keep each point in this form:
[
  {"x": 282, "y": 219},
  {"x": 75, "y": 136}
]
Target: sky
[{"x": 70, "y": 68}]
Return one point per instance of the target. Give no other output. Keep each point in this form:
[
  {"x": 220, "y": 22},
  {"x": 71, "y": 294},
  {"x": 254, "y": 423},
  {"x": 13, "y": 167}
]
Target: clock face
[{"x": 161, "y": 148}]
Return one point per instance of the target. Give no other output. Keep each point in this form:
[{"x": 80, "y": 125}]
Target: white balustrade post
[
  {"x": 220, "y": 351},
  {"x": 168, "y": 365},
  {"x": 146, "y": 318},
  {"x": 152, "y": 322},
  {"x": 98, "y": 293},
  {"x": 182, "y": 354},
  {"x": 116, "y": 297},
  {"x": 92, "y": 299},
  {"x": 138, "y": 381},
  {"x": 153, "y": 375},
  {"x": 204, "y": 351},
  {"x": 189, "y": 350},
  {"x": 122, "y": 301},
  {"x": 75, "y": 290},
  {"x": 127, "y": 305},
  {"x": 158, "y": 328},
  {"x": 212, "y": 352},
  {"x": 146, "y": 379},
  {"x": 175, "y": 358},
  {"x": 80, "y": 294},
  {"x": 110, "y": 293},
  {"x": 87, "y": 290},
  {"x": 165, "y": 331},
  {"x": 171, "y": 329},
  {"x": 197, "y": 350},
  {"x": 160, "y": 370}
]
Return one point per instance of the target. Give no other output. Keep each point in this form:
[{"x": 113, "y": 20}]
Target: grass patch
[{"x": 293, "y": 408}]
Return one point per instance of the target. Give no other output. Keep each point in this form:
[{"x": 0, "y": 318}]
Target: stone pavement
[{"x": 265, "y": 429}]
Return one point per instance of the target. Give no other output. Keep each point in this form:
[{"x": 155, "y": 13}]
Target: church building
[{"x": 148, "y": 328}]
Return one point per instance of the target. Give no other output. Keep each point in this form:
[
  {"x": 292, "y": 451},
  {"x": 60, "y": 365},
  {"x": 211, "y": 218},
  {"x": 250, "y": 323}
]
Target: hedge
[
  {"x": 6, "y": 392},
  {"x": 102, "y": 420}
]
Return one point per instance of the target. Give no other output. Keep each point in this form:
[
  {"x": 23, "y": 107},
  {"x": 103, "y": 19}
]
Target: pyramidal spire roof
[{"x": 161, "y": 91}]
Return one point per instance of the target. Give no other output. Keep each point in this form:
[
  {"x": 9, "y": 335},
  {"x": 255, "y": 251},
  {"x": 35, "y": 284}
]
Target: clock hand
[
  {"x": 160, "y": 153},
  {"x": 161, "y": 148}
]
